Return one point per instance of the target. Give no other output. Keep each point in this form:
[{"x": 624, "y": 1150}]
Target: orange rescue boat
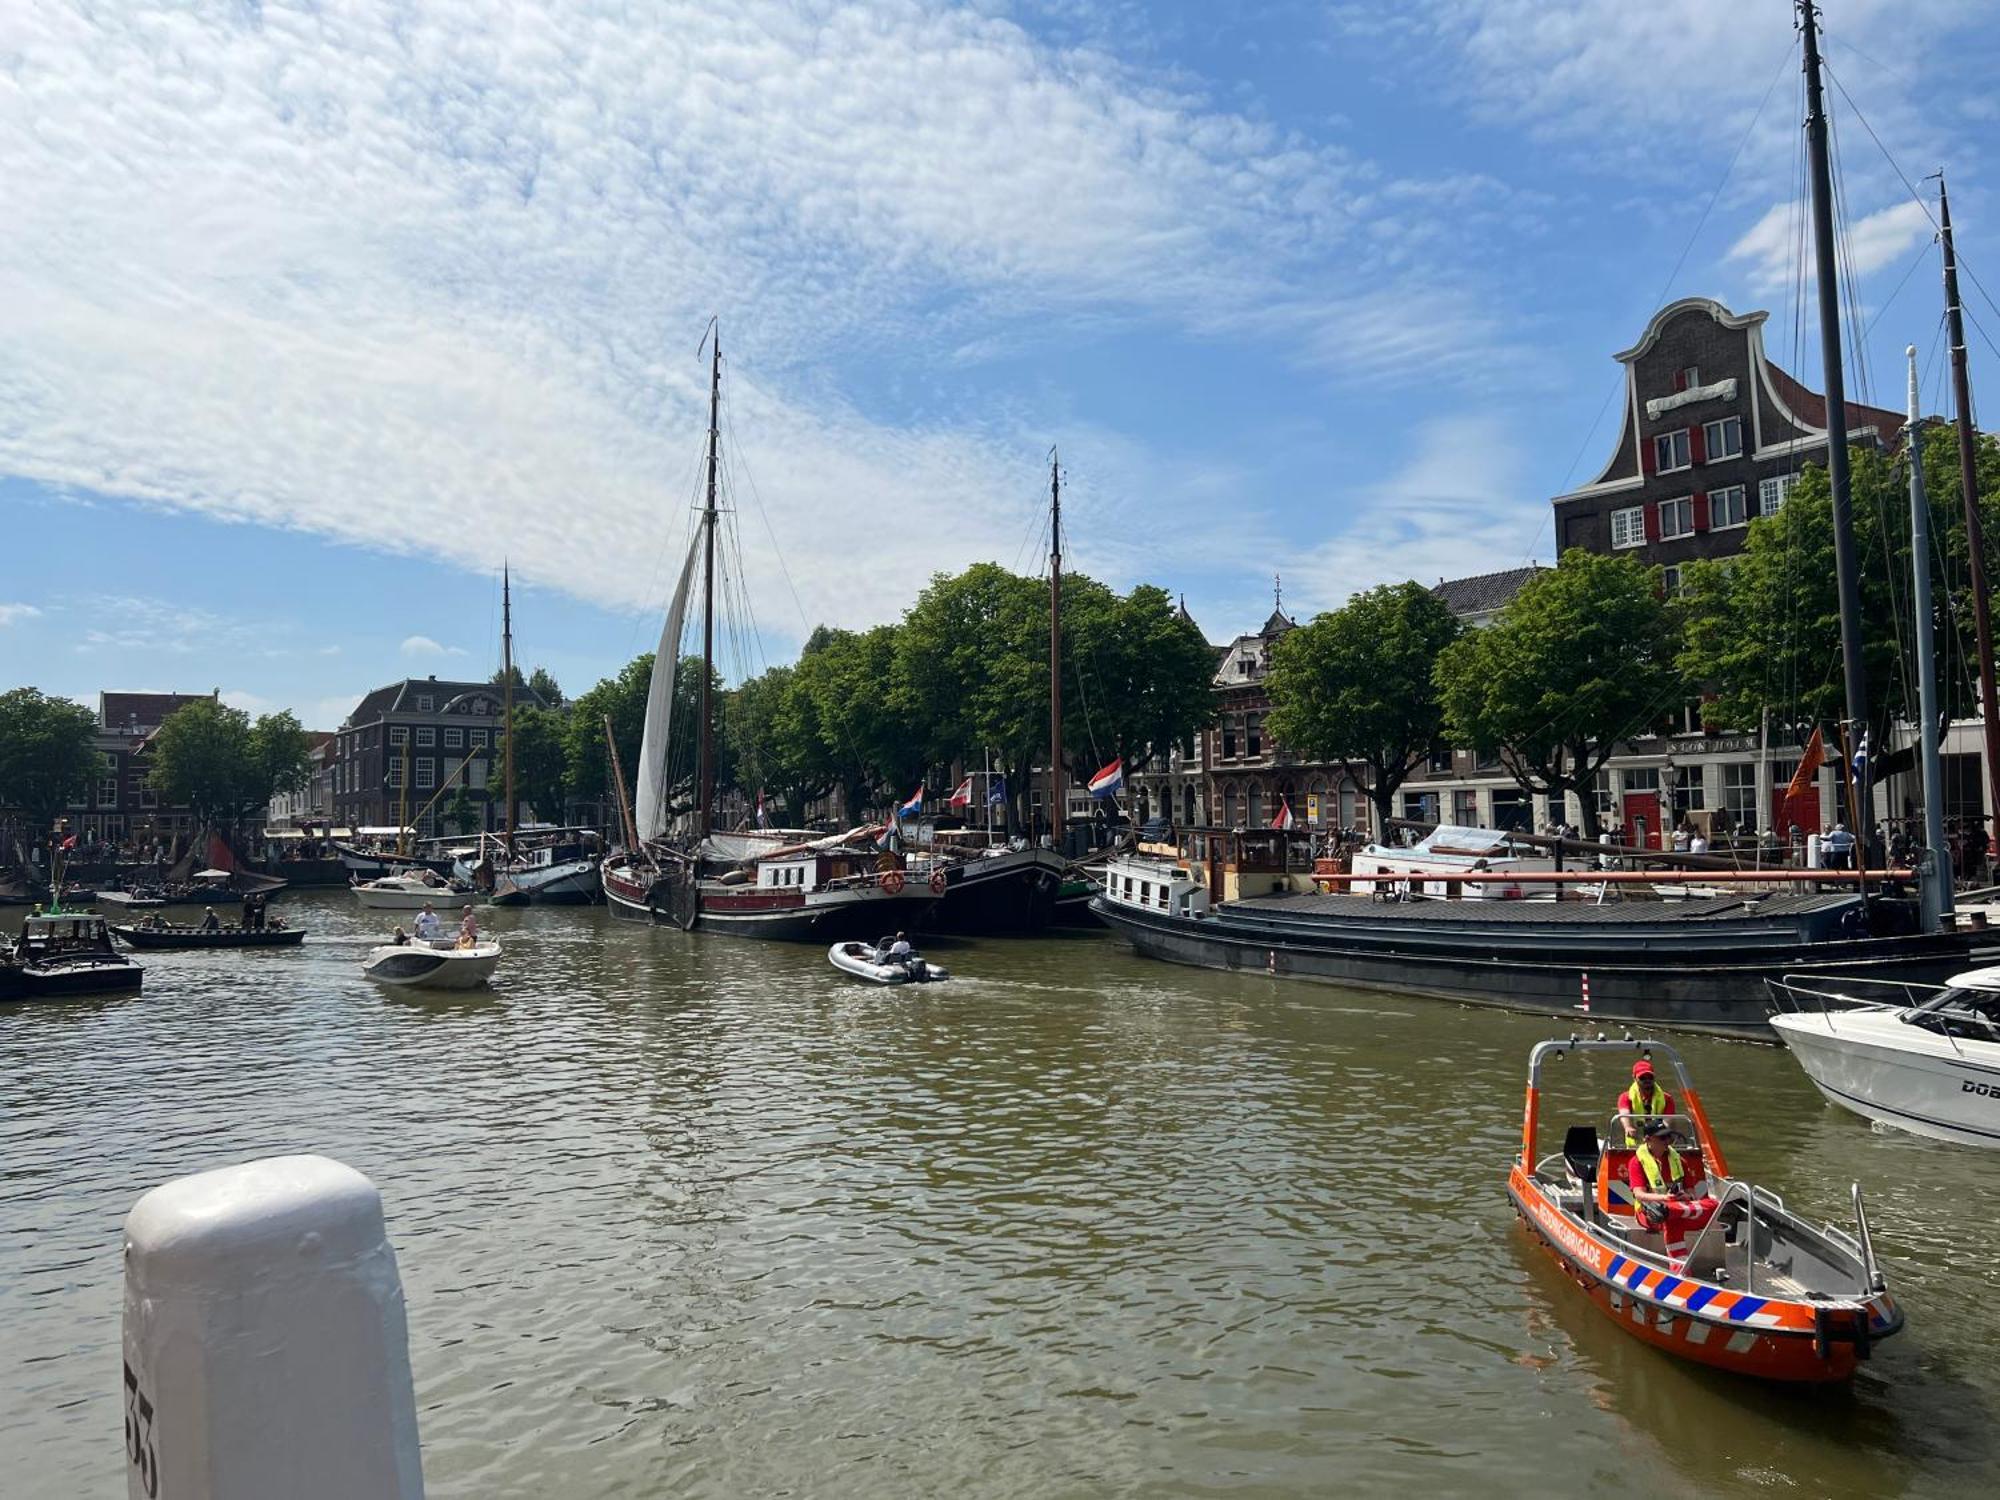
[{"x": 1758, "y": 1290}]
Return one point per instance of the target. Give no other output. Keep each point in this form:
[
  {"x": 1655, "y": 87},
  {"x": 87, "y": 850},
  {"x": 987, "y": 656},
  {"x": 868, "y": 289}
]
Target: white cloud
[
  {"x": 423, "y": 645},
  {"x": 13, "y": 613},
  {"x": 1457, "y": 508},
  {"x": 426, "y": 276},
  {"x": 1775, "y": 254}
]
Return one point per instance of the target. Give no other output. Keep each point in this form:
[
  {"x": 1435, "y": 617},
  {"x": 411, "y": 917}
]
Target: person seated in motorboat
[
  {"x": 1644, "y": 1101},
  {"x": 895, "y": 950},
  {"x": 211, "y": 922},
  {"x": 468, "y": 930},
  {"x": 399, "y": 938},
  {"x": 429, "y": 926},
  {"x": 1666, "y": 1191}
]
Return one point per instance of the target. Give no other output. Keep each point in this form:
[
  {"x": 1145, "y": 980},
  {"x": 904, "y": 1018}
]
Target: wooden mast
[
  {"x": 705, "y": 776},
  {"x": 1968, "y": 483},
  {"x": 630, "y": 827},
  {"x": 1846, "y": 569},
  {"x": 507, "y": 699},
  {"x": 1055, "y": 656}
]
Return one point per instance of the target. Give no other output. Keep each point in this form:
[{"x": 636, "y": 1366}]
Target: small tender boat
[
  {"x": 1924, "y": 1058},
  {"x": 64, "y": 954},
  {"x": 408, "y": 892},
  {"x": 141, "y": 935},
  {"x": 1758, "y": 1291},
  {"x": 434, "y": 966},
  {"x": 859, "y": 960}
]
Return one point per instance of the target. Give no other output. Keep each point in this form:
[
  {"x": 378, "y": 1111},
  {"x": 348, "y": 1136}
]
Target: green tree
[
  {"x": 773, "y": 735},
  {"x": 539, "y": 760},
  {"x": 460, "y": 811},
  {"x": 48, "y": 755},
  {"x": 210, "y": 758},
  {"x": 540, "y": 682},
  {"x": 1763, "y": 629},
  {"x": 623, "y": 699},
  {"x": 1138, "y": 677},
  {"x": 857, "y": 712},
  {"x": 1355, "y": 687},
  {"x": 1582, "y": 657}
]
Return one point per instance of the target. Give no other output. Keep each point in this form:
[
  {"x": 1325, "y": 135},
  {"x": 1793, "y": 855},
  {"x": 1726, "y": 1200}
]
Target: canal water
[{"x": 684, "y": 1216}]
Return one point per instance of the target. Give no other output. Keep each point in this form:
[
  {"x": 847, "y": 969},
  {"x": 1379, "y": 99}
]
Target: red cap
[{"x": 1642, "y": 1069}]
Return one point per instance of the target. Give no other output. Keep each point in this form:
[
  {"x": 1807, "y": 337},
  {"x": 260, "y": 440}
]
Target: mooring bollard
[{"x": 266, "y": 1349}]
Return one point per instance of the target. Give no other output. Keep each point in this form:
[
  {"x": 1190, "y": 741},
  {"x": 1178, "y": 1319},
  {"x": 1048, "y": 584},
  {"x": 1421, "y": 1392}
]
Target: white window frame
[
  {"x": 426, "y": 774},
  {"x": 1670, "y": 579},
  {"x": 479, "y": 738},
  {"x": 454, "y": 738},
  {"x": 1687, "y": 451},
  {"x": 1711, "y": 448},
  {"x": 1632, "y": 520},
  {"x": 423, "y": 703},
  {"x": 107, "y": 790},
  {"x": 399, "y": 734},
  {"x": 1690, "y": 377},
  {"x": 1772, "y": 492},
  {"x": 1680, "y": 505},
  {"x": 1742, "y": 494},
  {"x": 426, "y": 735}
]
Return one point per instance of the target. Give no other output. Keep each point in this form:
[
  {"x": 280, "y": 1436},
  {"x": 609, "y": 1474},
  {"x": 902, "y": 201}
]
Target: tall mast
[
  {"x": 1846, "y": 571},
  {"x": 507, "y": 696},
  {"x": 1935, "y": 889},
  {"x": 1055, "y": 655},
  {"x": 1968, "y": 484},
  {"x": 705, "y": 777}
]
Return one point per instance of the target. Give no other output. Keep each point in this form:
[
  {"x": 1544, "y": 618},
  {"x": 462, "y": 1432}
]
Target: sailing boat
[
  {"x": 554, "y": 866},
  {"x": 680, "y": 871}
]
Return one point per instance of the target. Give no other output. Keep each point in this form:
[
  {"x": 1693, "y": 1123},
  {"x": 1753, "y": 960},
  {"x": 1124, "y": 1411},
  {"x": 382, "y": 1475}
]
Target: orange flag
[{"x": 1815, "y": 757}]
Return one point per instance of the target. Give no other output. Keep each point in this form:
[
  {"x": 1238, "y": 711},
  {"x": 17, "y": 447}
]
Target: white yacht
[
  {"x": 409, "y": 892},
  {"x": 1921, "y": 1058}
]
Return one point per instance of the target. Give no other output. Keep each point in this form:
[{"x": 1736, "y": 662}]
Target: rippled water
[{"x": 700, "y": 1217}]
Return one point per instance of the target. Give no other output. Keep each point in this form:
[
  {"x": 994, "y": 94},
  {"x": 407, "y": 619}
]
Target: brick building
[
  {"x": 436, "y": 733},
  {"x": 122, "y": 808},
  {"x": 1711, "y": 434}
]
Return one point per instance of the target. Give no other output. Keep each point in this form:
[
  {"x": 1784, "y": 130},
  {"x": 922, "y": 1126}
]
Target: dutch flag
[
  {"x": 914, "y": 806},
  {"x": 1108, "y": 781}
]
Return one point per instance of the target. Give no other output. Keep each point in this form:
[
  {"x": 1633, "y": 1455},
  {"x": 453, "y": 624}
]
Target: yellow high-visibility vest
[{"x": 1639, "y": 1107}]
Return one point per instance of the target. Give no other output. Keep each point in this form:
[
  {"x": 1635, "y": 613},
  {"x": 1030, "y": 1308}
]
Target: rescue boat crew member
[
  {"x": 1644, "y": 1100},
  {"x": 1664, "y": 1186}
]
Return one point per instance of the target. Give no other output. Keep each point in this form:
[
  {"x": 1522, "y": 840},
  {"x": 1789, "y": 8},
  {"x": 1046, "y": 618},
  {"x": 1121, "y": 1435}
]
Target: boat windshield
[{"x": 1967, "y": 1014}]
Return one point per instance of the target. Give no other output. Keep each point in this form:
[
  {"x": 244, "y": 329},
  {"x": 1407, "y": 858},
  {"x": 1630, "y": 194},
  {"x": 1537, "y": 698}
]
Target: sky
[{"x": 313, "y": 315}]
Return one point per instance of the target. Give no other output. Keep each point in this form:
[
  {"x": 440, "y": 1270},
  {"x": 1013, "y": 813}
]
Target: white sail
[{"x": 652, "y": 809}]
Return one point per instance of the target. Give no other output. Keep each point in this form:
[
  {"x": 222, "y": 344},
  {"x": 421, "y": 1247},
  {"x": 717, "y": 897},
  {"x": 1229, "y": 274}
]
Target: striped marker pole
[{"x": 1584, "y": 1004}]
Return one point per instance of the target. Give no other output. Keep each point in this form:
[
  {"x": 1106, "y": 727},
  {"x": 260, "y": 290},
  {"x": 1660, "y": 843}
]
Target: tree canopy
[
  {"x": 1355, "y": 686},
  {"x": 539, "y": 760},
  {"x": 1582, "y": 657},
  {"x": 48, "y": 754},
  {"x": 1763, "y": 629},
  {"x": 210, "y": 758}
]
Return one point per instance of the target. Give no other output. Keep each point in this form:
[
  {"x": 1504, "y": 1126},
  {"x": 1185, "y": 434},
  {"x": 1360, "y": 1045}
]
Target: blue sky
[{"x": 311, "y": 315}]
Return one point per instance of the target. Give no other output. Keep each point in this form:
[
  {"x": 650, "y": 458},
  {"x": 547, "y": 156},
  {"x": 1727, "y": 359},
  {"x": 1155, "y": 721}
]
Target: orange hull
[{"x": 1768, "y": 1338}]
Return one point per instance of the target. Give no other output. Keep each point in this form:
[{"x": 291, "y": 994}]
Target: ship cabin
[
  {"x": 1215, "y": 864},
  {"x": 817, "y": 870},
  {"x": 62, "y": 935}
]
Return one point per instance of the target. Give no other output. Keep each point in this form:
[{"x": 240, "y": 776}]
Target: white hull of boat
[
  {"x": 404, "y": 893},
  {"x": 857, "y": 959},
  {"x": 1871, "y": 1062},
  {"x": 572, "y": 881},
  {"x": 431, "y": 966}
]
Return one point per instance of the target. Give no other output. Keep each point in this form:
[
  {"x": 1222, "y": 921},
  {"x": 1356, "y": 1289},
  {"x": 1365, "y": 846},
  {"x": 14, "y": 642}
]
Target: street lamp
[{"x": 1670, "y": 777}]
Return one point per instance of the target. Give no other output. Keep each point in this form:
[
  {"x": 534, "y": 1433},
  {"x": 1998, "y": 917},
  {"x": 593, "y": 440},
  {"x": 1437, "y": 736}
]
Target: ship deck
[{"x": 1540, "y": 913}]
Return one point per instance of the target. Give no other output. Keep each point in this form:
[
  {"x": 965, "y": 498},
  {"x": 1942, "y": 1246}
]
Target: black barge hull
[
  {"x": 1670, "y": 972},
  {"x": 1010, "y": 893}
]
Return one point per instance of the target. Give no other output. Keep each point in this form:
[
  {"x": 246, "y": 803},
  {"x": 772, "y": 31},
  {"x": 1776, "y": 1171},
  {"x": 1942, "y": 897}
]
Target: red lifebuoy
[
  {"x": 937, "y": 882},
  {"x": 892, "y": 882}
]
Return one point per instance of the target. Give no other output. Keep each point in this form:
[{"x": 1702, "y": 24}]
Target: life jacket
[
  {"x": 1653, "y": 1178},
  {"x": 1635, "y": 1103}
]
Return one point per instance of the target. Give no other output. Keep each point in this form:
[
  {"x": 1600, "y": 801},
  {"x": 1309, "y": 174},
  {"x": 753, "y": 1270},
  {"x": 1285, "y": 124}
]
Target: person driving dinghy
[{"x": 895, "y": 950}]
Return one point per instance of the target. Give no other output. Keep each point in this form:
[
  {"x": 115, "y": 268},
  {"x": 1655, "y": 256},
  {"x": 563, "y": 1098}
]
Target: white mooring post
[{"x": 266, "y": 1350}]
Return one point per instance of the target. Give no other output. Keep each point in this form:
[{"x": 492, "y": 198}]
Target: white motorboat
[
  {"x": 1463, "y": 863},
  {"x": 408, "y": 892},
  {"x": 859, "y": 960},
  {"x": 433, "y": 966},
  {"x": 1926, "y": 1060}
]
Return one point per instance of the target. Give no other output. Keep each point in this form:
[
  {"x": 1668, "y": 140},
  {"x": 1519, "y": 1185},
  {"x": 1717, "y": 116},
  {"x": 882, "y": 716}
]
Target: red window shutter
[
  {"x": 1652, "y": 521},
  {"x": 1697, "y": 445},
  {"x": 1680, "y": 380},
  {"x": 1648, "y": 457},
  {"x": 1701, "y": 512}
]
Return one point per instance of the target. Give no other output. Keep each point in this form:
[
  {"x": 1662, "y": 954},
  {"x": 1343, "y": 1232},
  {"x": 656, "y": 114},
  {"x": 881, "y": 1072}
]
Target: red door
[{"x": 1642, "y": 819}]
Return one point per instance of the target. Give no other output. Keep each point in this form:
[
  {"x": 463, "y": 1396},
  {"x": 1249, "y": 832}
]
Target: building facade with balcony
[{"x": 1711, "y": 435}]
